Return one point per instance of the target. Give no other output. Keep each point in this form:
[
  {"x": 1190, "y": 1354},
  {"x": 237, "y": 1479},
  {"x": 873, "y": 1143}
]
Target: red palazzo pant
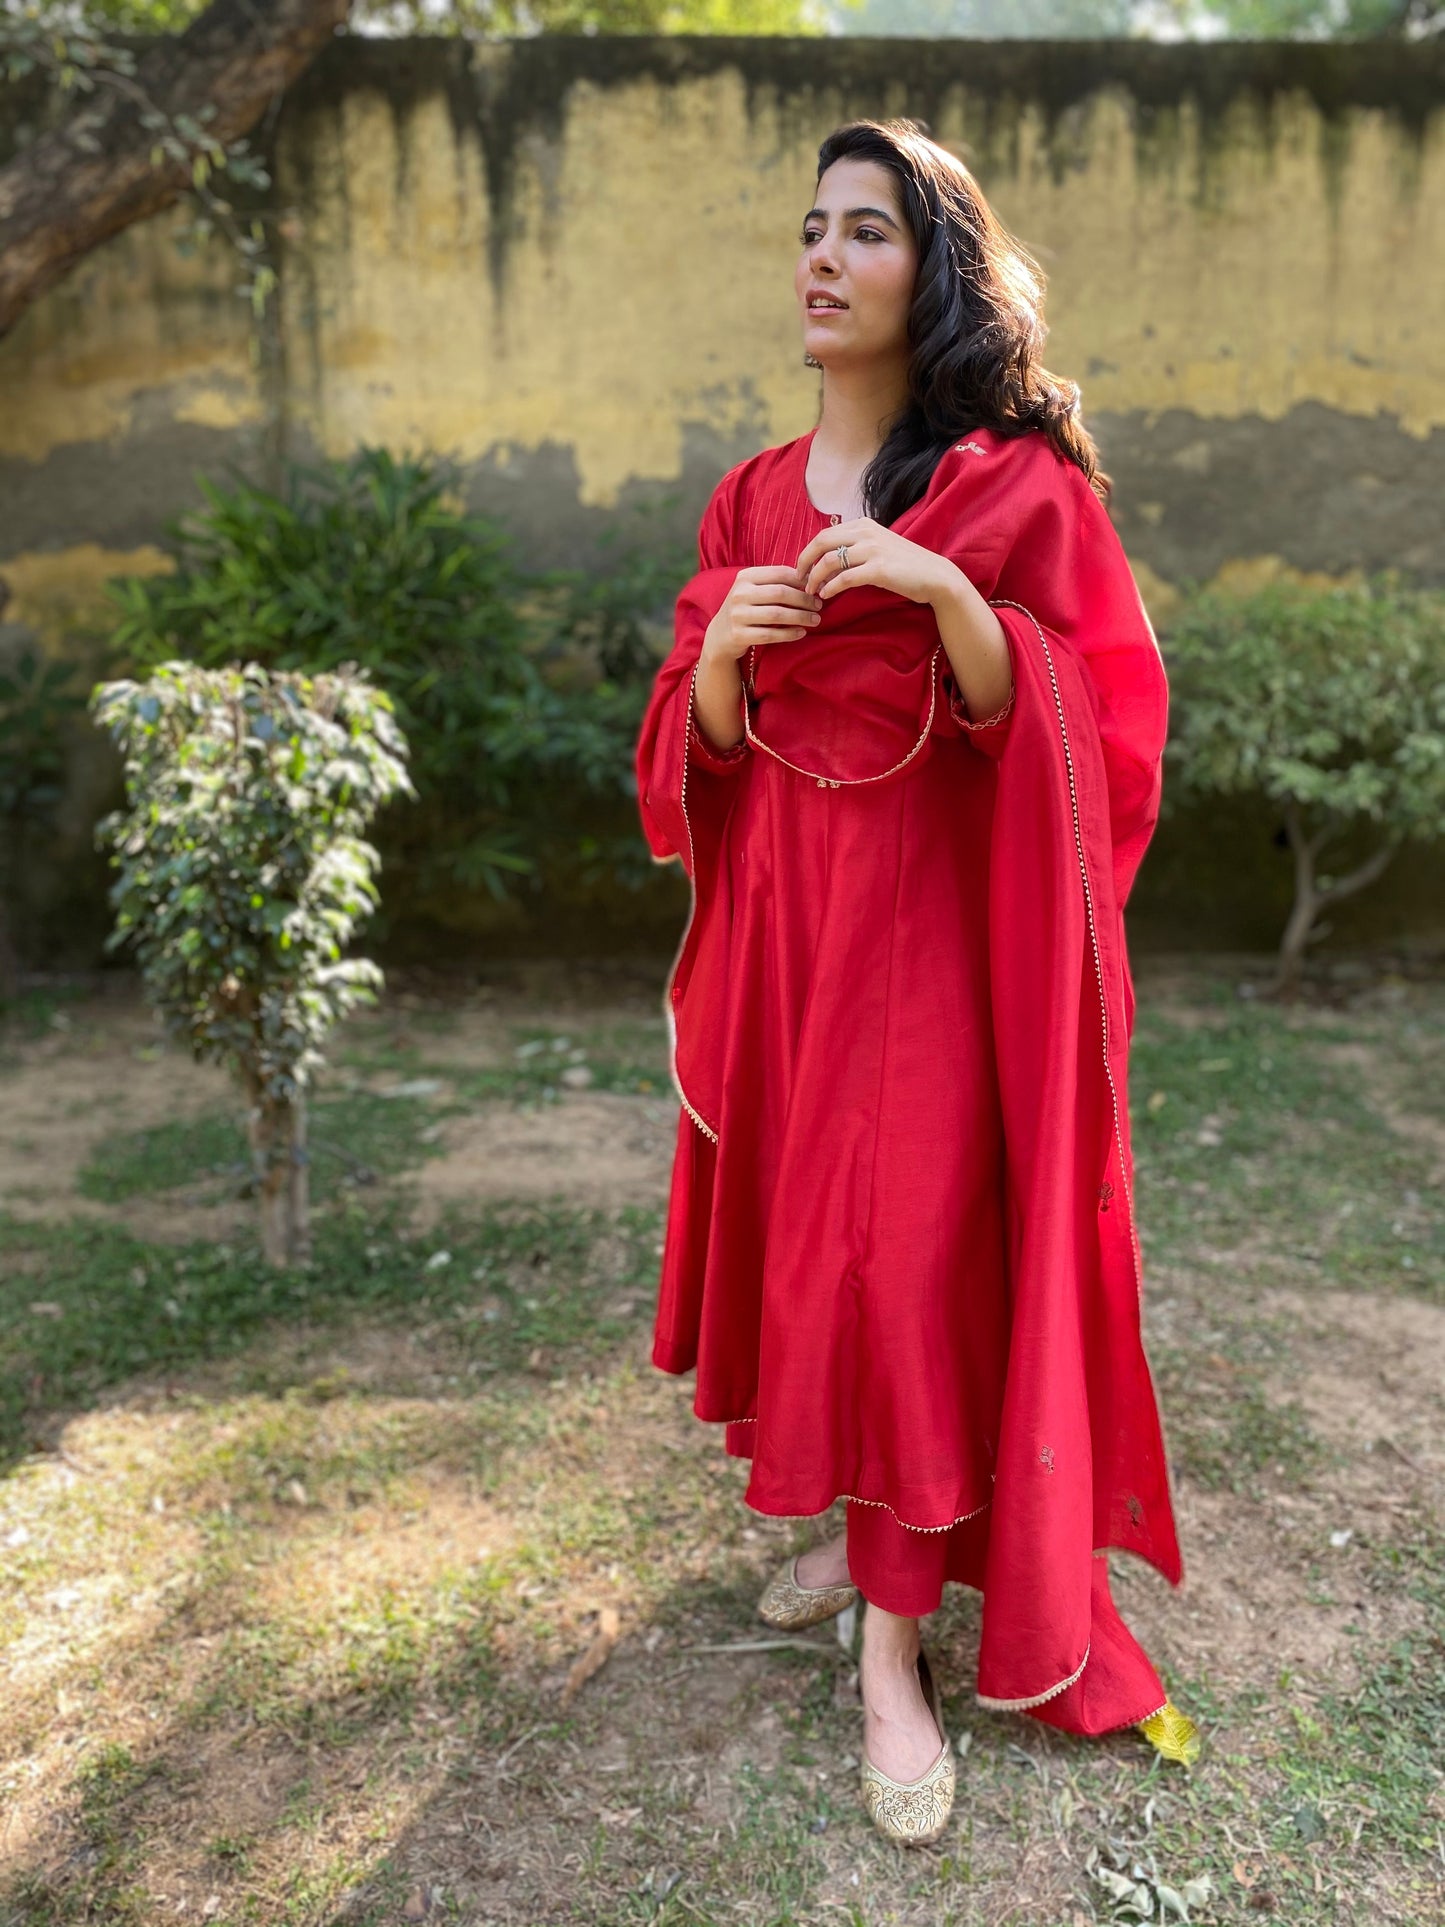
[{"x": 903, "y": 1572}]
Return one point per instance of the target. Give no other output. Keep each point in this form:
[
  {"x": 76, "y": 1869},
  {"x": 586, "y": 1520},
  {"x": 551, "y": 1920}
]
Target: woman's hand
[
  {"x": 973, "y": 638},
  {"x": 767, "y": 603},
  {"x": 878, "y": 555}
]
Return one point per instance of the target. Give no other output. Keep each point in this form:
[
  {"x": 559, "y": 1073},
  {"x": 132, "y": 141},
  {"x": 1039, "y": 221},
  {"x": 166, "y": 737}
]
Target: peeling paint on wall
[
  {"x": 565, "y": 257},
  {"x": 1225, "y": 271},
  {"x": 134, "y": 335},
  {"x": 60, "y": 595}
]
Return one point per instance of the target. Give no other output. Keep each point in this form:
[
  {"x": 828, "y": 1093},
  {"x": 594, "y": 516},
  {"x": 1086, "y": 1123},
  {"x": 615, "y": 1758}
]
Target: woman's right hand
[{"x": 765, "y": 604}]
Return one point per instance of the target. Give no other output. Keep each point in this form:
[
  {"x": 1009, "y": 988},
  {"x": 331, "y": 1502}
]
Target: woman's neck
[
  {"x": 850, "y": 432},
  {"x": 858, "y": 410}
]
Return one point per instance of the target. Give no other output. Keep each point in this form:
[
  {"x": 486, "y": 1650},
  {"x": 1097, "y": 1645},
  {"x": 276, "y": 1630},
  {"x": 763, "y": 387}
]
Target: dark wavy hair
[{"x": 976, "y": 324}]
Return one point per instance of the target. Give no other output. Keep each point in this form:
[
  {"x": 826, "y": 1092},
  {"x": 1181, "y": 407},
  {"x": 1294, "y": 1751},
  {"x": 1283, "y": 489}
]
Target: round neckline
[{"x": 804, "y": 444}]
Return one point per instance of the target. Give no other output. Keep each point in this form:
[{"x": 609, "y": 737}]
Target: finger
[
  {"x": 809, "y": 558},
  {"x": 769, "y": 596},
  {"x": 827, "y": 567},
  {"x": 765, "y": 636},
  {"x": 830, "y": 538},
  {"x": 774, "y": 616},
  {"x": 849, "y": 578}
]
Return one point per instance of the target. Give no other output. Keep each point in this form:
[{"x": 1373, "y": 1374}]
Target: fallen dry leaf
[{"x": 594, "y": 1656}]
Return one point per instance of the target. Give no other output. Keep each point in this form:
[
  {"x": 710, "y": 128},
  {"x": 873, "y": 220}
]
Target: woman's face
[{"x": 856, "y": 245}]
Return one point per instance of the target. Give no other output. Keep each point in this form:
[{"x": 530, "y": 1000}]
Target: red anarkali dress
[{"x": 847, "y": 1234}]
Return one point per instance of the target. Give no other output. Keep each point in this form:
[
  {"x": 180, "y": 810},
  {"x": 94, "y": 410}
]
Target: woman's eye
[{"x": 810, "y": 235}]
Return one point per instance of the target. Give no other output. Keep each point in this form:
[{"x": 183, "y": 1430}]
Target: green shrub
[
  {"x": 243, "y": 876},
  {"x": 1327, "y": 705},
  {"x": 37, "y": 706},
  {"x": 520, "y": 694}
]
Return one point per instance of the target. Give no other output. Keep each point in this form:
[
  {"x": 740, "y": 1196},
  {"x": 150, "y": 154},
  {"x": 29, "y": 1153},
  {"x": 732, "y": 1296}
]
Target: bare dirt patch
[
  {"x": 107, "y": 1071},
  {"x": 597, "y": 1147}
]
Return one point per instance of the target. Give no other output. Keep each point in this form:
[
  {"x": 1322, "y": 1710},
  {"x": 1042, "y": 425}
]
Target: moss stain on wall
[
  {"x": 1226, "y": 243},
  {"x": 584, "y": 244}
]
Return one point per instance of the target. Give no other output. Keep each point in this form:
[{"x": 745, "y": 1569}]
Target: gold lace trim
[
  {"x": 844, "y": 782},
  {"x": 907, "y": 1525},
  {"x": 989, "y": 722},
  {"x": 1008, "y": 602},
  {"x": 669, "y": 1013},
  {"x": 1033, "y": 1699}
]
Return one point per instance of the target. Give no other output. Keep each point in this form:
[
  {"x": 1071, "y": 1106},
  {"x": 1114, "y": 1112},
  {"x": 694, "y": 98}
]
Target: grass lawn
[{"x": 297, "y": 1569}]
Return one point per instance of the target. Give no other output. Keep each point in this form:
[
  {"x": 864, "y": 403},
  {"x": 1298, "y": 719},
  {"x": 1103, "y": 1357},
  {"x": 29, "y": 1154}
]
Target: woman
[{"x": 907, "y": 746}]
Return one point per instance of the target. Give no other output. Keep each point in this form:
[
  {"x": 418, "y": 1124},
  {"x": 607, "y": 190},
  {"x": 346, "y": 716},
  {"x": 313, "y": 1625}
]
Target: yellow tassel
[{"x": 1173, "y": 1733}]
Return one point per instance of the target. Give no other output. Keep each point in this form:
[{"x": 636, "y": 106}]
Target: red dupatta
[{"x": 1081, "y": 1465}]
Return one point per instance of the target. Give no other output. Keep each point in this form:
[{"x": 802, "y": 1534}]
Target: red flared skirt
[{"x": 835, "y": 1259}]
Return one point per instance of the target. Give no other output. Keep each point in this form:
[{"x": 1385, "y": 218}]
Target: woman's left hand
[{"x": 876, "y": 554}]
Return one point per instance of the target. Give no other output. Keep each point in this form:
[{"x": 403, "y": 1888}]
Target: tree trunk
[
  {"x": 9, "y": 962},
  {"x": 1309, "y": 899},
  {"x": 298, "y": 1202},
  {"x": 276, "y": 1130},
  {"x": 76, "y": 186}
]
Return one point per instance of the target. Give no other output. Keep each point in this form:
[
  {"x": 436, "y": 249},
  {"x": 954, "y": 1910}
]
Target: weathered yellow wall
[
  {"x": 602, "y": 271},
  {"x": 654, "y": 288},
  {"x": 568, "y": 263}
]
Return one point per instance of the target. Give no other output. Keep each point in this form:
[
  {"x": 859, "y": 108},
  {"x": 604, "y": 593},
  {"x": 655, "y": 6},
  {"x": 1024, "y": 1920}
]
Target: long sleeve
[
  {"x": 684, "y": 782},
  {"x": 714, "y": 547}
]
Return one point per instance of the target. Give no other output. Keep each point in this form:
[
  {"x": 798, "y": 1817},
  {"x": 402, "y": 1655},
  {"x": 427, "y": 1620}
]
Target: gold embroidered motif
[
  {"x": 913, "y": 1812},
  {"x": 787, "y": 1604}
]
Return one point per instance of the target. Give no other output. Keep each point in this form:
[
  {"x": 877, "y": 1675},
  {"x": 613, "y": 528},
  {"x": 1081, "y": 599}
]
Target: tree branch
[
  {"x": 89, "y": 179},
  {"x": 1353, "y": 880}
]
